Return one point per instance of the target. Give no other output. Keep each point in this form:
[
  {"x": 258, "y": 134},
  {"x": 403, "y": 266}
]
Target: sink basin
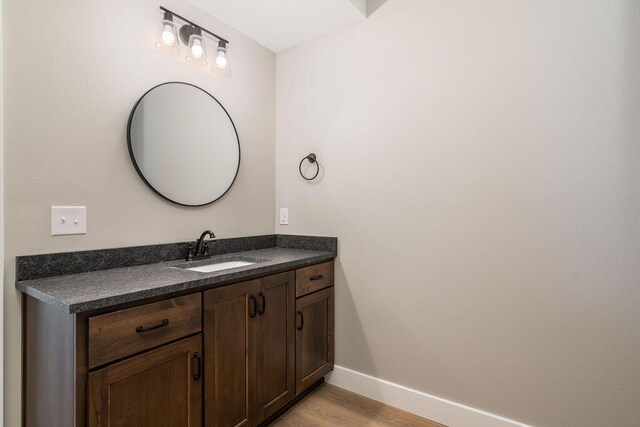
[
  {"x": 217, "y": 264},
  {"x": 209, "y": 268}
]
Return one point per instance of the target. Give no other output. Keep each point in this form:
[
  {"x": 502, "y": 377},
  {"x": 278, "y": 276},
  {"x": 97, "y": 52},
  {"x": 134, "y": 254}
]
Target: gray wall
[
  {"x": 481, "y": 170},
  {"x": 73, "y": 70}
]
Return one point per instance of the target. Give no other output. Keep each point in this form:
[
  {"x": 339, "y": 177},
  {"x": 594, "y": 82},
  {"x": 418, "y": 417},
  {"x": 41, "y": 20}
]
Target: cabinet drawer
[
  {"x": 125, "y": 332},
  {"x": 314, "y": 278}
]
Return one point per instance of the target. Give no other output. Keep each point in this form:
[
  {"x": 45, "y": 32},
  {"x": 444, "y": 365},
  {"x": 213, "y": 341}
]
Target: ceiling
[{"x": 281, "y": 24}]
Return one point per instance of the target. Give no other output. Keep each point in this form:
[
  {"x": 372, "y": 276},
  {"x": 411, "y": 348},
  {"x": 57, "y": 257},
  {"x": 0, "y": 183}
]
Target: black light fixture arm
[{"x": 164, "y": 9}]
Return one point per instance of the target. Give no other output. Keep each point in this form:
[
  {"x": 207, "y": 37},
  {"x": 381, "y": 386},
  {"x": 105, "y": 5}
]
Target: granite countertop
[{"x": 81, "y": 292}]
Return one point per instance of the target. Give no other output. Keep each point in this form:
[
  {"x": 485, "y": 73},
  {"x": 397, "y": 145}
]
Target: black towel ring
[{"x": 312, "y": 159}]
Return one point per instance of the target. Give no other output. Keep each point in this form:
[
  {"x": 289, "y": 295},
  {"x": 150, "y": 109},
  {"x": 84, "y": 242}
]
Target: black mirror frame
[{"x": 135, "y": 164}]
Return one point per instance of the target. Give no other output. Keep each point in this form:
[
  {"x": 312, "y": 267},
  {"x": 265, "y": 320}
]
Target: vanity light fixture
[
  {"x": 221, "y": 64},
  {"x": 197, "y": 53},
  {"x": 168, "y": 36},
  {"x": 192, "y": 35}
]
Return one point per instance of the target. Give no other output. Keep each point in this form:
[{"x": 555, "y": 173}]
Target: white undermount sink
[{"x": 209, "y": 268}]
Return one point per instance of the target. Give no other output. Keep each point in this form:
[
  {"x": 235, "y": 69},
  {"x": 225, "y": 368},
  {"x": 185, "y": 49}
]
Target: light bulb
[
  {"x": 196, "y": 49},
  {"x": 221, "y": 65},
  {"x": 167, "y": 35},
  {"x": 221, "y": 59},
  {"x": 167, "y": 39}
]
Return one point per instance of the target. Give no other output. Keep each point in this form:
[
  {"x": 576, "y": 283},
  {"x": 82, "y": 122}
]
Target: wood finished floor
[{"x": 333, "y": 406}]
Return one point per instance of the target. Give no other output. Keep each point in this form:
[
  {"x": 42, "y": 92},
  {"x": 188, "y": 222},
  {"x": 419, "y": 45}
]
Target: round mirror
[{"x": 183, "y": 144}]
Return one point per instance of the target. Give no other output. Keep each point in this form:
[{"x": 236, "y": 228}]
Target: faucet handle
[{"x": 190, "y": 252}]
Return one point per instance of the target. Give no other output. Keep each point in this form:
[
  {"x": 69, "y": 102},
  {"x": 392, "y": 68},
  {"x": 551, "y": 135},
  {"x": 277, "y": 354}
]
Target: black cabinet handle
[
  {"x": 252, "y": 306},
  {"x": 198, "y": 374},
  {"x": 316, "y": 277},
  {"x": 263, "y": 304},
  {"x": 301, "y": 320},
  {"x": 141, "y": 329}
]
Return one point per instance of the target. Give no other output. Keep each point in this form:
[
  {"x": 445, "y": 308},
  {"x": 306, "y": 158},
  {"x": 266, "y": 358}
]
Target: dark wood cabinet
[
  {"x": 160, "y": 388},
  {"x": 250, "y": 350},
  {"x": 235, "y": 355},
  {"x": 275, "y": 339},
  {"x": 314, "y": 337},
  {"x": 229, "y": 336}
]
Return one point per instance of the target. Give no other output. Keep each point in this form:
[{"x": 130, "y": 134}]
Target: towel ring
[{"x": 312, "y": 159}]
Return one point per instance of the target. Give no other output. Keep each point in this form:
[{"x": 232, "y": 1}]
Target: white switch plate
[
  {"x": 68, "y": 220},
  {"x": 284, "y": 216}
]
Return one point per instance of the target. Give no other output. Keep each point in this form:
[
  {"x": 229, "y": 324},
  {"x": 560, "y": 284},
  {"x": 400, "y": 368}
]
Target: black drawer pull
[
  {"x": 198, "y": 374},
  {"x": 316, "y": 277},
  {"x": 252, "y": 306},
  {"x": 301, "y": 320},
  {"x": 141, "y": 329},
  {"x": 263, "y": 304}
]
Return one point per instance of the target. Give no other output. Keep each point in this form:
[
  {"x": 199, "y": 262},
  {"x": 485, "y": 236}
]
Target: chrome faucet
[{"x": 202, "y": 247}]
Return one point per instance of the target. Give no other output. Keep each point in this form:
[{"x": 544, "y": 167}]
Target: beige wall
[
  {"x": 73, "y": 70},
  {"x": 1, "y": 231},
  {"x": 481, "y": 171}
]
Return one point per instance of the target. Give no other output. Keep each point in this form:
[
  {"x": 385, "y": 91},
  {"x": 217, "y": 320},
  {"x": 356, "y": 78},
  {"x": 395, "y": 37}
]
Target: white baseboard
[{"x": 416, "y": 402}]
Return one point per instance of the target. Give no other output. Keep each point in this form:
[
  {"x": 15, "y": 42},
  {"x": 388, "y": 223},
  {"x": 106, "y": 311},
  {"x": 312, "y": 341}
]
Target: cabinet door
[
  {"x": 229, "y": 336},
  {"x": 275, "y": 343},
  {"x": 314, "y": 337},
  {"x": 160, "y": 388}
]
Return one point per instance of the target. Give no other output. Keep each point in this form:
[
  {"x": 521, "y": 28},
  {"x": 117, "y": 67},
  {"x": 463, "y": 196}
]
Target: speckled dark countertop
[{"x": 92, "y": 290}]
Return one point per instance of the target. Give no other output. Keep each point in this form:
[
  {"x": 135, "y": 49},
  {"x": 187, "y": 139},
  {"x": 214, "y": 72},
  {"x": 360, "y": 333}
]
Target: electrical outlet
[
  {"x": 68, "y": 220},
  {"x": 284, "y": 216}
]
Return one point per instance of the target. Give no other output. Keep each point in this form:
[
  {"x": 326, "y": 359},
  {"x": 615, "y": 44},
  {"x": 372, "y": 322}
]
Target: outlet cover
[
  {"x": 284, "y": 216},
  {"x": 68, "y": 220}
]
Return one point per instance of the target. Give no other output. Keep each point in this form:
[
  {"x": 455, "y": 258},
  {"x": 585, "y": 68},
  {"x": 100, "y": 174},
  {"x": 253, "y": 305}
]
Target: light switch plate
[
  {"x": 68, "y": 220},
  {"x": 284, "y": 216}
]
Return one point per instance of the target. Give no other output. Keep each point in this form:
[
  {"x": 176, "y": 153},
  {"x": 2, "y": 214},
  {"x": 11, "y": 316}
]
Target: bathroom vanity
[{"x": 164, "y": 344}]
